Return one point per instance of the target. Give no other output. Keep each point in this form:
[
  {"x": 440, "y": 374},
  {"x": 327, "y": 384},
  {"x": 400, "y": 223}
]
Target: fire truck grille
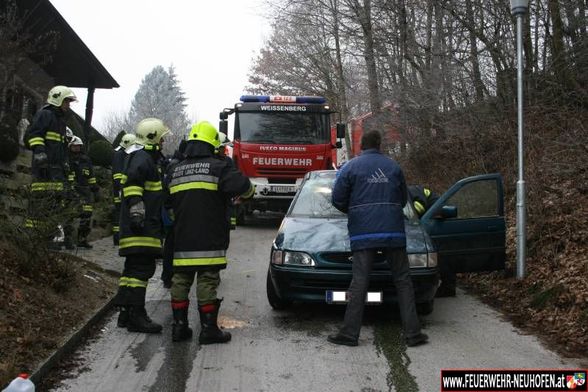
[{"x": 283, "y": 171}]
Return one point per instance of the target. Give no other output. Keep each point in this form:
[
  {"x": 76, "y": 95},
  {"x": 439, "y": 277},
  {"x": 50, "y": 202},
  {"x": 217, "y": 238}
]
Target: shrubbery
[
  {"x": 100, "y": 153},
  {"x": 8, "y": 139}
]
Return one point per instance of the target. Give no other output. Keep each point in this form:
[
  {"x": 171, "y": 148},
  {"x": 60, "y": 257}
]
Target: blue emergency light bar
[{"x": 282, "y": 99}]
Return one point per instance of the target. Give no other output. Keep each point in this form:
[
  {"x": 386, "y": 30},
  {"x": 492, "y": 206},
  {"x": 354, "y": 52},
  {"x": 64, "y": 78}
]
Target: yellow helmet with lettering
[
  {"x": 149, "y": 131},
  {"x": 205, "y": 132},
  {"x": 58, "y": 93}
]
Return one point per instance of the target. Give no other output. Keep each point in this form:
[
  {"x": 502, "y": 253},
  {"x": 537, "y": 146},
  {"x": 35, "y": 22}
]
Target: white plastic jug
[{"x": 20, "y": 384}]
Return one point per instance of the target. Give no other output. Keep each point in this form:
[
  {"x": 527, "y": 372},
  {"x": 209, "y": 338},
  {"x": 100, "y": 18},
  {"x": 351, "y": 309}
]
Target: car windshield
[
  {"x": 284, "y": 128},
  {"x": 314, "y": 199}
]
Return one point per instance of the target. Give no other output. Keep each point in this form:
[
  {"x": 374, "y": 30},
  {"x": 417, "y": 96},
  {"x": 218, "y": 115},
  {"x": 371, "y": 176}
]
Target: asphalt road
[{"x": 287, "y": 350}]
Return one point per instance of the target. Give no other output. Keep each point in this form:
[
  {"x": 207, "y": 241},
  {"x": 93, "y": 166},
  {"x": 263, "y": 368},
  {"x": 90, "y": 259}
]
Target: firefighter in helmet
[
  {"x": 140, "y": 224},
  {"x": 85, "y": 191},
  {"x": 118, "y": 160},
  {"x": 46, "y": 137},
  {"x": 422, "y": 199},
  {"x": 199, "y": 191},
  {"x": 222, "y": 152}
]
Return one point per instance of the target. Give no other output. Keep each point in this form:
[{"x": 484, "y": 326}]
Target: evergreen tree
[{"x": 160, "y": 96}]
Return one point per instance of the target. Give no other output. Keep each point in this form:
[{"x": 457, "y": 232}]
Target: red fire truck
[{"x": 276, "y": 141}]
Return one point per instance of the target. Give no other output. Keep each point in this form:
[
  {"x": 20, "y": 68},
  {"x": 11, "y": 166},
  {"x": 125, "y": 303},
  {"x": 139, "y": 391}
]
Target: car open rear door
[{"x": 467, "y": 224}]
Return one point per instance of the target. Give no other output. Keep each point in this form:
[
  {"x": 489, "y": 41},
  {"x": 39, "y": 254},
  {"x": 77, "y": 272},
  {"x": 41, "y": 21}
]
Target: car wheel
[
  {"x": 425, "y": 308},
  {"x": 272, "y": 296}
]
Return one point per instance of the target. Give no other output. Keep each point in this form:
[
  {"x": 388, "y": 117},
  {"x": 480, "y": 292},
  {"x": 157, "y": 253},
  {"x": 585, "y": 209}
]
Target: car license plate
[
  {"x": 342, "y": 297},
  {"x": 283, "y": 189}
]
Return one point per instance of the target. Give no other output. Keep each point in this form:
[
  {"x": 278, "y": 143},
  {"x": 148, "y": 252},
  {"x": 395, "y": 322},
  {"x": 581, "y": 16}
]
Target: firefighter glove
[
  {"x": 40, "y": 159},
  {"x": 137, "y": 213}
]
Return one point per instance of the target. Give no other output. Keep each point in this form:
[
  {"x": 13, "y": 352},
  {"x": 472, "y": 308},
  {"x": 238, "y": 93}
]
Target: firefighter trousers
[
  {"x": 206, "y": 285},
  {"x": 134, "y": 279},
  {"x": 116, "y": 217}
]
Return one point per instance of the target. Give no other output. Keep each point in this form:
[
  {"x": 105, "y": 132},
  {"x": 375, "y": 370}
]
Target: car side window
[{"x": 476, "y": 200}]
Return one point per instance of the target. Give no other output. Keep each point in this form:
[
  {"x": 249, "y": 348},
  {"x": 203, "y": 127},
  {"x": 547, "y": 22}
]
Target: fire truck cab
[{"x": 276, "y": 141}]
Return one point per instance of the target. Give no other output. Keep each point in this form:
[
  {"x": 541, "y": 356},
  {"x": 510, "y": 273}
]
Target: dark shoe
[
  {"x": 342, "y": 339},
  {"x": 210, "y": 332},
  {"x": 445, "y": 291},
  {"x": 180, "y": 329},
  {"x": 123, "y": 318},
  {"x": 140, "y": 322},
  {"x": 84, "y": 244},
  {"x": 417, "y": 340}
]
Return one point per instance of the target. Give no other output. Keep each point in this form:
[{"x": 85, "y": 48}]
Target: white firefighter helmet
[
  {"x": 58, "y": 93},
  {"x": 127, "y": 140},
  {"x": 224, "y": 139},
  {"x": 69, "y": 135},
  {"x": 149, "y": 131},
  {"x": 75, "y": 141}
]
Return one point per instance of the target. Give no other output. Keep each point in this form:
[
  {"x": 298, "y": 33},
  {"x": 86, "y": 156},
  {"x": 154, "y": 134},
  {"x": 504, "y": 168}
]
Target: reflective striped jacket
[
  {"x": 81, "y": 177},
  {"x": 141, "y": 181},
  {"x": 199, "y": 192},
  {"x": 47, "y": 134},
  {"x": 118, "y": 161}
]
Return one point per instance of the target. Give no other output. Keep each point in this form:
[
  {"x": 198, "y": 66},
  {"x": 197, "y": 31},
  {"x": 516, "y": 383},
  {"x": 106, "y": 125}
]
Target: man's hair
[{"x": 371, "y": 139}]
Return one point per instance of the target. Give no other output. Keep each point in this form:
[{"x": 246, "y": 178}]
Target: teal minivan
[{"x": 311, "y": 259}]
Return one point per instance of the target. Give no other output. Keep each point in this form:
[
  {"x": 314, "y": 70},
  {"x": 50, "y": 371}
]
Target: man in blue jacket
[{"x": 371, "y": 190}]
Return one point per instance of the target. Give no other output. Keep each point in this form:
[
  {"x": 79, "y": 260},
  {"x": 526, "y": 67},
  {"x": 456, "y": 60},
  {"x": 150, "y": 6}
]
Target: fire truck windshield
[{"x": 283, "y": 128}]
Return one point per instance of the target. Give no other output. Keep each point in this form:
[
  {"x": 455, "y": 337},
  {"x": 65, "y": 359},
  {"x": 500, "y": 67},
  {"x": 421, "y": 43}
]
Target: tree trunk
[
  {"x": 558, "y": 54},
  {"x": 363, "y": 13},
  {"x": 476, "y": 74},
  {"x": 341, "y": 82}
]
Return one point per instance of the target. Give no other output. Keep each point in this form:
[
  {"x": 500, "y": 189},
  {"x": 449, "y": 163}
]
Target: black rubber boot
[
  {"x": 123, "y": 317},
  {"x": 180, "y": 329},
  {"x": 140, "y": 322},
  {"x": 210, "y": 332}
]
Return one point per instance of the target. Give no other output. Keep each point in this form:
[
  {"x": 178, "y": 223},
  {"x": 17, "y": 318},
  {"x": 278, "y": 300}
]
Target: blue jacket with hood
[{"x": 371, "y": 190}]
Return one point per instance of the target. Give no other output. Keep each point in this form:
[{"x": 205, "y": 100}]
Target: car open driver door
[{"x": 467, "y": 224}]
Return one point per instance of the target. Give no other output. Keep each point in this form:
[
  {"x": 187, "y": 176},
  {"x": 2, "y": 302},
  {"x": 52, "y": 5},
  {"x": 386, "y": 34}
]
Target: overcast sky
[{"x": 210, "y": 43}]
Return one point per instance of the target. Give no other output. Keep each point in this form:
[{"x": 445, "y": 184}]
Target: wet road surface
[{"x": 287, "y": 350}]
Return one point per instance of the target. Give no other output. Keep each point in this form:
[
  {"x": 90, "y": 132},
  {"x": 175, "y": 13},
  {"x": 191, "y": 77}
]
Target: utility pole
[{"x": 519, "y": 8}]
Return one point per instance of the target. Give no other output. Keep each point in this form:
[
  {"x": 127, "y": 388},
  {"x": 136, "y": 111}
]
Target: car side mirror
[
  {"x": 340, "y": 130},
  {"x": 338, "y": 144},
  {"x": 447, "y": 212}
]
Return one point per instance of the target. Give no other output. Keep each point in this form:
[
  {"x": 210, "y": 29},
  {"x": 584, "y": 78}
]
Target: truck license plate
[
  {"x": 282, "y": 189},
  {"x": 341, "y": 297}
]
